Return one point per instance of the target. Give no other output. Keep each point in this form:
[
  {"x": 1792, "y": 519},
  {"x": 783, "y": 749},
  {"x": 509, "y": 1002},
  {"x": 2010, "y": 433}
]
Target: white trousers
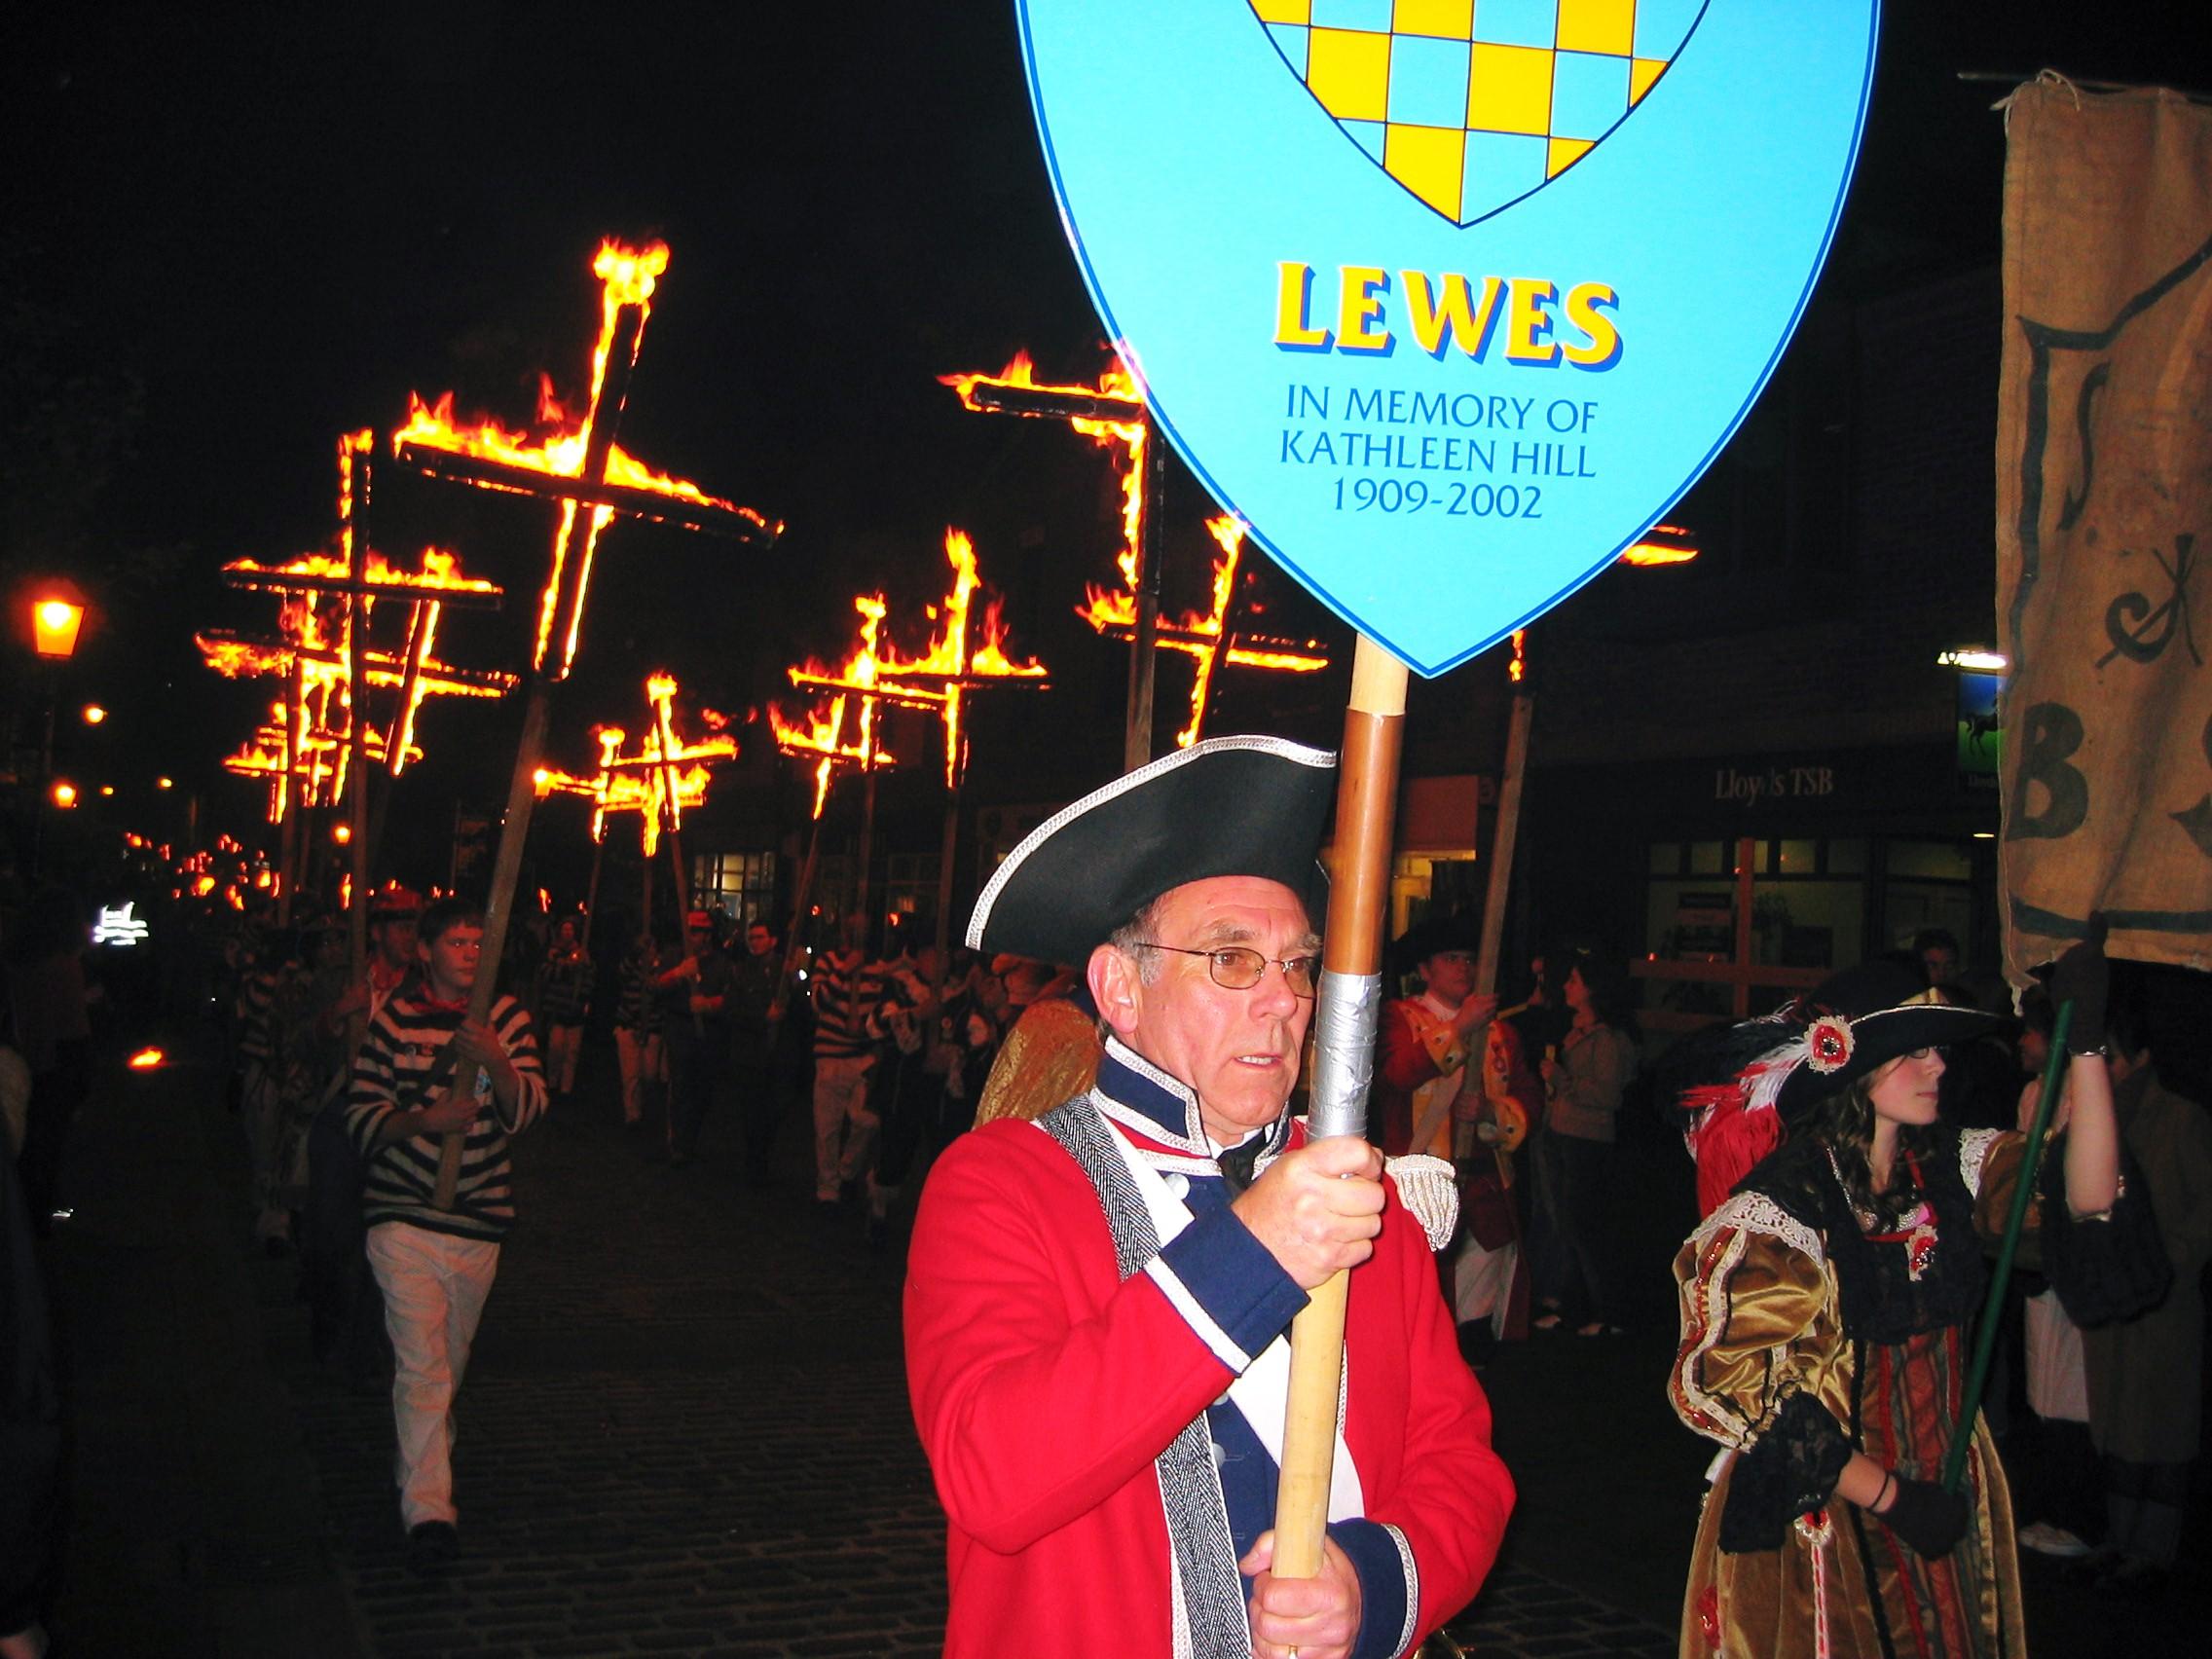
[
  {"x": 1482, "y": 1284},
  {"x": 841, "y": 1098},
  {"x": 639, "y": 1055},
  {"x": 434, "y": 1287}
]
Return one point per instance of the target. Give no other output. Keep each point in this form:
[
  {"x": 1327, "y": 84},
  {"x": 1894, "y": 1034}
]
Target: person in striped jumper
[
  {"x": 435, "y": 1266},
  {"x": 847, "y": 990},
  {"x": 637, "y": 1028}
]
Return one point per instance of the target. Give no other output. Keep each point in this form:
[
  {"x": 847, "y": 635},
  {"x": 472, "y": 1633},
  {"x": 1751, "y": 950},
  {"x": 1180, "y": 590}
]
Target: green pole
[{"x": 1993, "y": 1309}]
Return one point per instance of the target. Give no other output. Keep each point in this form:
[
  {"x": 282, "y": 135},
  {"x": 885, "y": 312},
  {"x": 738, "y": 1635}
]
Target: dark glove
[
  {"x": 1925, "y": 1516},
  {"x": 2084, "y": 977}
]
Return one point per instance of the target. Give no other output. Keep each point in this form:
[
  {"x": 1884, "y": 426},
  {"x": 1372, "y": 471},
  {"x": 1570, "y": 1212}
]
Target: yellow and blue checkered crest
[{"x": 1473, "y": 104}]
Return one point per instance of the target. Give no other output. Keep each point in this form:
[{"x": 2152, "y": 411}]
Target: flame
[
  {"x": 1662, "y": 544},
  {"x": 440, "y": 572},
  {"x": 937, "y": 680},
  {"x": 561, "y": 440},
  {"x": 664, "y": 777},
  {"x": 1112, "y": 612},
  {"x": 1127, "y": 437},
  {"x": 146, "y": 1059},
  {"x": 313, "y": 646},
  {"x": 1199, "y": 634},
  {"x": 1517, "y": 670},
  {"x": 825, "y": 734}
]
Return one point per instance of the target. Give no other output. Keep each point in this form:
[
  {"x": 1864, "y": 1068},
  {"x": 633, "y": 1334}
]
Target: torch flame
[
  {"x": 1201, "y": 635},
  {"x": 627, "y": 277},
  {"x": 664, "y": 777},
  {"x": 937, "y": 680},
  {"x": 1127, "y": 437}
]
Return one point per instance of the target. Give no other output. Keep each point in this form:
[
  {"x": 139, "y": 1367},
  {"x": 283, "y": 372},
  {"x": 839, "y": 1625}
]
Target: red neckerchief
[{"x": 432, "y": 1005}]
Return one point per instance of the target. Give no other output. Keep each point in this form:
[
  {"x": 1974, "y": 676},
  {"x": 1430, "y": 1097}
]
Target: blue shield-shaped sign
[{"x": 1449, "y": 299}]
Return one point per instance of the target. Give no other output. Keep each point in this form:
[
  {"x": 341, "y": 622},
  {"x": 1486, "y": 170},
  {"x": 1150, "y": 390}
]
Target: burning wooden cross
[
  {"x": 306, "y": 635},
  {"x": 287, "y": 754},
  {"x": 658, "y": 783},
  {"x": 1205, "y": 636},
  {"x": 940, "y": 680},
  {"x": 1111, "y": 413},
  {"x": 580, "y": 466}
]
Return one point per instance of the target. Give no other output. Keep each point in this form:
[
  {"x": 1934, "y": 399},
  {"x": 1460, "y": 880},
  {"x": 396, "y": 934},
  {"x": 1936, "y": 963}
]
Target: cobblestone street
[{"x": 685, "y": 1431}]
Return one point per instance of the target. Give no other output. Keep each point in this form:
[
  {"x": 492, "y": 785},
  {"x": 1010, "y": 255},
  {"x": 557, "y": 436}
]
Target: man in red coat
[{"x": 1097, "y": 1302}]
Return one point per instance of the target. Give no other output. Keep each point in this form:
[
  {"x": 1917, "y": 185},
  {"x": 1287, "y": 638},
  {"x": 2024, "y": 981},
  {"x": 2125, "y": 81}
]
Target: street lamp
[
  {"x": 64, "y": 793},
  {"x": 94, "y": 714},
  {"x": 55, "y": 621}
]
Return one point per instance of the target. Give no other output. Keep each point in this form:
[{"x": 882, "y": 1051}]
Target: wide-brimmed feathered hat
[
  {"x": 1226, "y": 806},
  {"x": 1744, "y": 1087}
]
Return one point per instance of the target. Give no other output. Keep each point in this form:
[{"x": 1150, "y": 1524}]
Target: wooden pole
[
  {"x": 868, "y": 856},
  {"x": 1993, "y": 1305},
  {"x": 499, "y": 905},
  {"x": 795, "y": 942},
  {"x": 1501, "y": 844},
  {"x": 946, "y": 853},
  {"x": 1144, "y": 636},
  {"x": 356, "y": 737},
  {"x": 591, "y": 889},
  {"x": 1350, "y": 1001}
]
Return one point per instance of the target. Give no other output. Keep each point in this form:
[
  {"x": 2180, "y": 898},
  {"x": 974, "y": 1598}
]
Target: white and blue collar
[{"x": 1141, "y": 1099}]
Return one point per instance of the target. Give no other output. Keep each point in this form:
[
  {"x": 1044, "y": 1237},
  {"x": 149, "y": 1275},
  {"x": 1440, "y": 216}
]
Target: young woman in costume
[{"x": 1825, "y": 1306}]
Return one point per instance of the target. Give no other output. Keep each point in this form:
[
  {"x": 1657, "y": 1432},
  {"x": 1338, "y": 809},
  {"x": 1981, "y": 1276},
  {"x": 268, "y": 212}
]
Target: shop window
[
  {"x": 1847, "y": 856},
  {"x": 1710, "y": 858},
  {"x": 1807, "y": 924},
  {"x": 741, "y": 884},
  {"x": 1798, "y": 858},
  {"x": 909, "y": 893},
  {"x": 1934, "y": 861},
  {"x": 1433, "y": 884},
  {"x": 1909, "y": 907}
]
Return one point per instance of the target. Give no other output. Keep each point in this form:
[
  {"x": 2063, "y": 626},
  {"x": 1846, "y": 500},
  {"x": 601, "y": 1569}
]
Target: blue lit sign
[{"x": 1448, "y": 299}]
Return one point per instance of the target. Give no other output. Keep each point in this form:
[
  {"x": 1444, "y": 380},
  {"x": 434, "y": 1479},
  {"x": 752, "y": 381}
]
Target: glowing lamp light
[
  {"x": 1981, "y": 660},
  {"x": 146, "y": 1059},
  {"x": 55, "y": 623},
  {"x": 165, "y": 783},
  {"x": 118, "y": 925},
  {"x": 64, "y": 794},
  {"x": 342, "y": 833},
  {"x": 107, "y": 791},
  {"x": 94, "y": 714}
]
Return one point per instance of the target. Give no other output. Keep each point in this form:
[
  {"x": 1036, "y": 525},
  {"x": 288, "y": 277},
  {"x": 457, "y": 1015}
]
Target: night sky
[{"x": 231, "y": 238}]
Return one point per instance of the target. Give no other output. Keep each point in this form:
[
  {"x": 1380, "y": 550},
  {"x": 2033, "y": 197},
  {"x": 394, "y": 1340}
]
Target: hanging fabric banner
[{"x": 2103, "y": 508}]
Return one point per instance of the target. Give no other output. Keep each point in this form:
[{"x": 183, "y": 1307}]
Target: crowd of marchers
[{"x": 1856, "y": 1154}]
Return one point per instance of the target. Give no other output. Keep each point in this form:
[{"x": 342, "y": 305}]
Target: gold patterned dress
[{"x": 1808, "y": 1333}]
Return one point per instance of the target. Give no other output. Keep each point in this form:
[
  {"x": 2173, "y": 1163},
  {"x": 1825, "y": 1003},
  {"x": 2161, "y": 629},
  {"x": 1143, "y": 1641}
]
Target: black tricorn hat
[
  {"x": 1462, "y": 930},
  {"x": 1226, "y": 806}
]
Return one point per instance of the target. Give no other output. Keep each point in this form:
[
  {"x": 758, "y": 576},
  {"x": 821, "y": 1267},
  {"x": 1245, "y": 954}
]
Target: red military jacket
[{"x": 1044, "y": 1386}]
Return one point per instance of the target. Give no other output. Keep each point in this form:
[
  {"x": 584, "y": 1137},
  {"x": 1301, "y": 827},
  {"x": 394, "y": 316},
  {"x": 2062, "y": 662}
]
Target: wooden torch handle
[
  {"x": 500, "y": 902},
  {"x": 1352, "y": 961}
]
